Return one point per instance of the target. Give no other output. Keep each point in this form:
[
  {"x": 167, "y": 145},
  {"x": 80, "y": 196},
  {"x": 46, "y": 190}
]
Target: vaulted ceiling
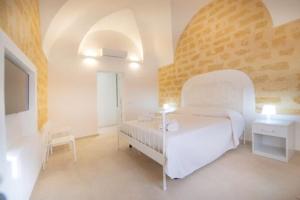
[{"x": 145, "y": 23}]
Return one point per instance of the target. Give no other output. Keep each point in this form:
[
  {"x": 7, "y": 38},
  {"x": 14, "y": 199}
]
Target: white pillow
[
  {"x": 204, "y": 111},
  {"x": 210, "y": 111},
  {"x": 184, "y": 110}
]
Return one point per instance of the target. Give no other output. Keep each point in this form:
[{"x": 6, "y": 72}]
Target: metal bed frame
[{"x": 159, "y": 157}]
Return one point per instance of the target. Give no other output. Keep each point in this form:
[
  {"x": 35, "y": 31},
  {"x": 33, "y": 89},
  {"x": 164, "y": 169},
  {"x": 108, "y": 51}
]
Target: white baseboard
[
  {"x": 86, "y": 136},
  {"x": 108, "y": 130}
]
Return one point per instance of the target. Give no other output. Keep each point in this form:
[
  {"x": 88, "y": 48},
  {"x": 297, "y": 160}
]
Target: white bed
[
  {"x": 210, "y": 124},
  {"x": 199, "y": 140}
]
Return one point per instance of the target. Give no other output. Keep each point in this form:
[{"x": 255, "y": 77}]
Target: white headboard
[{"x": 225, "y": 88}]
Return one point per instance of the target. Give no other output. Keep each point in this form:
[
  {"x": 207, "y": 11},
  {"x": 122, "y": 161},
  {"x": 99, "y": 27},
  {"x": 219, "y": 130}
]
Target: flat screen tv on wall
[{"x": 16, "y": 88}]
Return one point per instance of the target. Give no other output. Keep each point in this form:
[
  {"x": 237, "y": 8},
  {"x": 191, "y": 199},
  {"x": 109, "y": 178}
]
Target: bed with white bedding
[
  {"x": 211, "y": 120},
  {"x": 199, "y": 140}
]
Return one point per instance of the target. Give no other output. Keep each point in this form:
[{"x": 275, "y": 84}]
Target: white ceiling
[
  {"x": 121, "y": 22},
  {"x": 283, "y": 11},
  {"x": 75, "y": 18}
]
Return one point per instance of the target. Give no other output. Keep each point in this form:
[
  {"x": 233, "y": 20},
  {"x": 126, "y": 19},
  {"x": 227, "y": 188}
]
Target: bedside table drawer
[
  {"x": 273, "y": 139},
  {"x": 276, "y": 131}
]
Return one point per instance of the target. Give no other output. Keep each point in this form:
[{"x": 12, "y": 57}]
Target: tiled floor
[{"x": 102, "y": 172}]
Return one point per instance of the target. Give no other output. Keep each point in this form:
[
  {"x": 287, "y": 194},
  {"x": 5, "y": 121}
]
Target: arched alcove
[{"x": 239, "y": 35}]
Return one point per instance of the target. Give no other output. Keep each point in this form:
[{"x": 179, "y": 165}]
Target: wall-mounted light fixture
[
  {"x": 90, "y": 61},
  {"x": 133, "y": 57},
  {"x": 91, "y": 57},
  {"x": 134, "y": 65},
  {"x": 91, "y": 53}
]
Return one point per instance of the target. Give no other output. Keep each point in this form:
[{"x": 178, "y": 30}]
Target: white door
[{"x": 108, "y": 99}]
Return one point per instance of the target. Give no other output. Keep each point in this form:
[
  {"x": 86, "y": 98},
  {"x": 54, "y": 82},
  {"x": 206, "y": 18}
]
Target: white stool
[
  {"x": 69, "y": 139},
  {"x": 57, "y": 138}
]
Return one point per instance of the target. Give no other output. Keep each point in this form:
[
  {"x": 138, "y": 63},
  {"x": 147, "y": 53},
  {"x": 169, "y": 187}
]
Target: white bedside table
[{"x": 273, "y": 139}]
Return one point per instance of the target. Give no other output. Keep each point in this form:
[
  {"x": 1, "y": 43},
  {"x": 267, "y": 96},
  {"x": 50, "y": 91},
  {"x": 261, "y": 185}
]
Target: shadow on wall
[
  {"x": 2, "y": 197},
  {"x": 238, "y": 34}
]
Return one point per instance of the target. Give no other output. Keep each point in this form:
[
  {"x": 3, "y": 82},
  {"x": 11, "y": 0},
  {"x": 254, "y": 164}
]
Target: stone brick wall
[
  {"x": 238, "y": 34},
  {"x": 20, "y": 19}
]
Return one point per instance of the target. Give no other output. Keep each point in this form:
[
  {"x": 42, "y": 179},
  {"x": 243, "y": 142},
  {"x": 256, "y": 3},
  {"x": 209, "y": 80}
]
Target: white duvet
[{"x": 200, "y": 139}]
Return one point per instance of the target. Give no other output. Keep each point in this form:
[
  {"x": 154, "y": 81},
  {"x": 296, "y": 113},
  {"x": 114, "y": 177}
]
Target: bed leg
[
  {"x": 164, "y": 179},
  {"x": 164, "y": 151},
  {"x": 244, "y": 137}
]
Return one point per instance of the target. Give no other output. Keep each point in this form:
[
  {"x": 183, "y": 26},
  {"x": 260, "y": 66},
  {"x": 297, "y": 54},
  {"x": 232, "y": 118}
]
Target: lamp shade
[
  {"x": 169, "y": 107},
  {"x": 269, "y": 110}
]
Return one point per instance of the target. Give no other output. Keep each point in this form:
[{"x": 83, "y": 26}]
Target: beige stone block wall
[
  {"x": 20, "y": 19},
  {"x": 238, "y": 34}
]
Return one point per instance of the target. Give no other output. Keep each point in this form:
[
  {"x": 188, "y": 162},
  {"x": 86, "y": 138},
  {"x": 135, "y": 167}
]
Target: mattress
[
  {"x": 149, "y": 132},
  {"x": 199, "y": 140}
]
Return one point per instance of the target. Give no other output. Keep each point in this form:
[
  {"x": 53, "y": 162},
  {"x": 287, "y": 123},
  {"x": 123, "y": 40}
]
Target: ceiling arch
[
  {"x": 122, "y": 22},
  {"x": 109, "y": 39},
  {"x": 48, "y": 9},
  {"x": 76, "y": 18}
]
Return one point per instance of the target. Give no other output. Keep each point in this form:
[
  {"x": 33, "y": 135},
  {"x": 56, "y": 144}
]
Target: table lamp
[{"x": 269, "y": 110}]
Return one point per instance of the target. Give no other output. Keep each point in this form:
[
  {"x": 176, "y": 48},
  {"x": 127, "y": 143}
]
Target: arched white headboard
[{"x": 225, "y": 88}]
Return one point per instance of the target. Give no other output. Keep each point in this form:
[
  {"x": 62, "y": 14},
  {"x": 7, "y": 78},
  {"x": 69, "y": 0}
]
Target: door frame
[{"x": 120, "y": 98}]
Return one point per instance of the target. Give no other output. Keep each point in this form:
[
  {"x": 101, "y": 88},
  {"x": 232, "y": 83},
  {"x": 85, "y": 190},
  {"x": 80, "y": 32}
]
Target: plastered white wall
[
  {"x": 20, "y": 145},
  {"x": 73, "y": 99},
  {"x": 73, "y": 89},
  {"x": 72, "y": 82}
]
